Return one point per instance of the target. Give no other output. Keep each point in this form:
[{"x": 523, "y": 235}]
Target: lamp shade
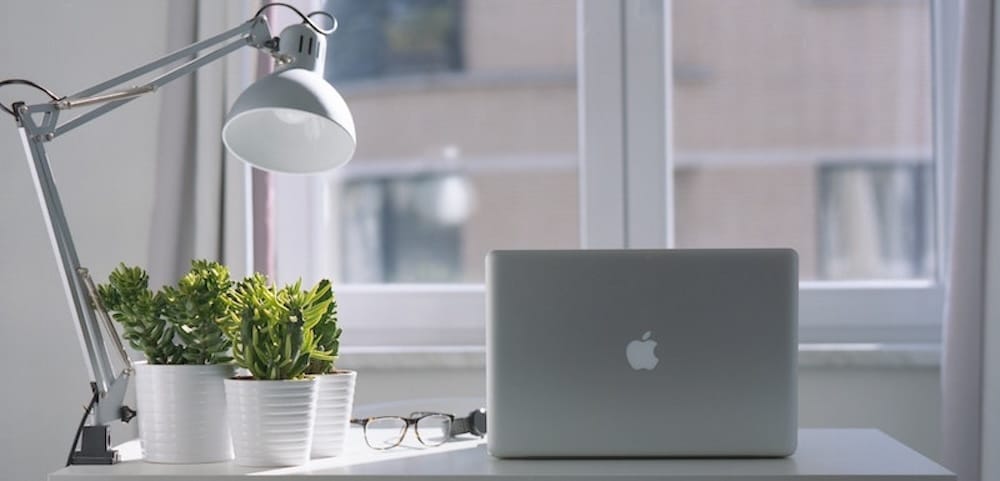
[{"x": 291, "y": 121}]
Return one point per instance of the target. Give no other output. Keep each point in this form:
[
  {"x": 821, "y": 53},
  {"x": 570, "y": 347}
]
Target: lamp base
[{"x": 95, "y": 447}]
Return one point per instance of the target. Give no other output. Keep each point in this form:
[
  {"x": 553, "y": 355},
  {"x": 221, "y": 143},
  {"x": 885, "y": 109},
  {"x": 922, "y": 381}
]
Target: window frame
[{"x": 624, "y": 60}]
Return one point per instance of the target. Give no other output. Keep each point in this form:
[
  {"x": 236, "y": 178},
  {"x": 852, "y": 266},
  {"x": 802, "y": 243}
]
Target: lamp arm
[
  {"x": 38, "y": 124},
  {"x": 253, "y": 32},
  {"x": 110, "y": 387},
  {"x": 102, "y": 313}
]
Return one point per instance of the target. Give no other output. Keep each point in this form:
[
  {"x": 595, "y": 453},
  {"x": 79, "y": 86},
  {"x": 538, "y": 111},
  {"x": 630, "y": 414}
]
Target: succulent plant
[
  {"x": 272, "y": 329},
  {"x": 195, "y": 308},
  {"x": 322, "y": 303},
  {"x": 130, "y": 302},
  {"x": 178, "y": 325}
]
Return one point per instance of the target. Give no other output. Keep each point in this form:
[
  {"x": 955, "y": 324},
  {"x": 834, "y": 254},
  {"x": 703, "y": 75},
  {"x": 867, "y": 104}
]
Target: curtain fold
[
  {"x": 967, "y": 312},
  {"x": 263, "y": 189},
  {"x": 200, "y": 208}
]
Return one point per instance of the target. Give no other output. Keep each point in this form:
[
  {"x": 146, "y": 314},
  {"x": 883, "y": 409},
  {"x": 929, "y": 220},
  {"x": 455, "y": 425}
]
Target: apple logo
[{"x": 640, "y": 353}]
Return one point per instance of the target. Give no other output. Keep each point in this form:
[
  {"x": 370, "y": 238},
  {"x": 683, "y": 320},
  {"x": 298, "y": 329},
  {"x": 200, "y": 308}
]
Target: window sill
[
  {"x": 813, "y": 355},
  {"x": 859, "y": 355},
  {"x": 412, "y": 357}
]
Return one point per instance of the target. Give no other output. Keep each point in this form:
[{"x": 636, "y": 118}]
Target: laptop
[{"x": 642, "y": 353}]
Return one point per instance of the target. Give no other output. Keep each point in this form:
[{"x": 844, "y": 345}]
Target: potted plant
[
  {"x": 271, "y": 411},
  {"x": 335, "y": 387},
  {"x": 179, "y": 390}
]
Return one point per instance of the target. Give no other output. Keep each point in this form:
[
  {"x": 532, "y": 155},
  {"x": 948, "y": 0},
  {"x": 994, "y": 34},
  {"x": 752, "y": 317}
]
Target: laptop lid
[{"x": 642, "y": 353}]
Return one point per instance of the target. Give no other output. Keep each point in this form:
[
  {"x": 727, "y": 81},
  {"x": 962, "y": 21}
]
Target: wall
[
  {"x": 904, "y": 402},
  {"x": 104, "y": 172}
]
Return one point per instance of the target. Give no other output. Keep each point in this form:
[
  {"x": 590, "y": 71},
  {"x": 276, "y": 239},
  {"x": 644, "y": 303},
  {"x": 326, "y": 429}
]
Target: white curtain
[
  {"x": 971, "y": 402},
  {"x": 201, "y": 207}
]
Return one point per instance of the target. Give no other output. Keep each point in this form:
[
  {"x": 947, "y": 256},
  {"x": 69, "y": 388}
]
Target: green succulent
[
  {"x": 195, "y": 308},
  {"x": 178, "y": 325},
  {"x": 130, "y": 302},
  {"x": 321, "y": 304},
  {"x": 272, "y": 330}
]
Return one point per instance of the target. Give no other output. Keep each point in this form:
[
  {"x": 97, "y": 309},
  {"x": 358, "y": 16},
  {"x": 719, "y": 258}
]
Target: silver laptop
[{"x": 642, "y": 353}]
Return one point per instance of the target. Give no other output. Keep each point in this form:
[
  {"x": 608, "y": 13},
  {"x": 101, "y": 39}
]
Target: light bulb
[{"x": 291, "y": 116}]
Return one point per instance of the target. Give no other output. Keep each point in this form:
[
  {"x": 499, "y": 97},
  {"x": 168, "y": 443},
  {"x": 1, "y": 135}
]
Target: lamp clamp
[{"x": 128, "y": 414}]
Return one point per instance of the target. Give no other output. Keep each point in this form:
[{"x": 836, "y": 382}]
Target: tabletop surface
[{"x": 827, "y": 454}]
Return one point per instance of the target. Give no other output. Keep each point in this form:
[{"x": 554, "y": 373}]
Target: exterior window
[
  {"x": 875, "y": 221},
  {"x": 386, "y": 38},
  {"x": 403, "y": 229}
]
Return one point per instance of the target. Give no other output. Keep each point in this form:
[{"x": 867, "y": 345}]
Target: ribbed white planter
[
  {"x": 333, "y": 412},
  {"x": 271, "y": 421},
  {"x": 182, "y": 412}
]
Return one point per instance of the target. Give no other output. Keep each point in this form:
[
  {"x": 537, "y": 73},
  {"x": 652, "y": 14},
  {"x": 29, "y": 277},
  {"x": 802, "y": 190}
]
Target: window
[
  {"x": 811, "y": 124},
  {"x": 403, "y": 228},
  {"x": 386, "y": 38},
  {"x": 805, "y": 123},
  {"x": 875, "y": 220}
]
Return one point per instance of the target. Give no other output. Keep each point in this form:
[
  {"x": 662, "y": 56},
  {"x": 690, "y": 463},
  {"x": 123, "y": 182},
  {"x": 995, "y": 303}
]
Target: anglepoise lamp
[{"x": 292, "y": 120}]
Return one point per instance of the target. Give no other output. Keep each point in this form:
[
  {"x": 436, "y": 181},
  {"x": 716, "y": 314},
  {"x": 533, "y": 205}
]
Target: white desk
[{"x": 823, "y": 454}]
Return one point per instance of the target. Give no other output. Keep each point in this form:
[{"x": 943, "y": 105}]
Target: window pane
[
  {"x": 808, "y": 124},
  {"x": 890, "y": 201},
  {"x": 466, "y": 122},
  {"x": 393, "y": 38}
]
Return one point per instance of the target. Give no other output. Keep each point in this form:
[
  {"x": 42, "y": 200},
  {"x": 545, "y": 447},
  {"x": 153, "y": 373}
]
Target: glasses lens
[
  {"x": 385, "y": 432},
  {"x": 434, "y": 429}
]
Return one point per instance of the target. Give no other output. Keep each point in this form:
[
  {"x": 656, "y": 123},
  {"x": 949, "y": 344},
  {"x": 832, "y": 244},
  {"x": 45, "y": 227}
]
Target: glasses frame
[{"x": 412, "y": 420}]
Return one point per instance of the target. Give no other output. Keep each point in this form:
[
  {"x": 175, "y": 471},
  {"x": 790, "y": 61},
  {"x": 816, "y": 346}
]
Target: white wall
[
  {"x": 104, "y": 172},
  {"x": 905, "y": 402}
]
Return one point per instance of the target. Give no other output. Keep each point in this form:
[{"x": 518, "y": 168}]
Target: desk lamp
[{"x": 292, "y": 120}]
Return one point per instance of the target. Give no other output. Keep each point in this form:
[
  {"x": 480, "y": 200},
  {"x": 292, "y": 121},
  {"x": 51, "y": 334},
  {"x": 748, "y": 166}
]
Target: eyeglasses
[{"x": 386, "y": 432}]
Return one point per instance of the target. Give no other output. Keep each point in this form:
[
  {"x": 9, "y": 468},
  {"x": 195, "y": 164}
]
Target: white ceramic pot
[
  {"x": 182, "y": 415},
  {"x": 333, "y": 412},
  {"x": 271, "y": 421}
]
